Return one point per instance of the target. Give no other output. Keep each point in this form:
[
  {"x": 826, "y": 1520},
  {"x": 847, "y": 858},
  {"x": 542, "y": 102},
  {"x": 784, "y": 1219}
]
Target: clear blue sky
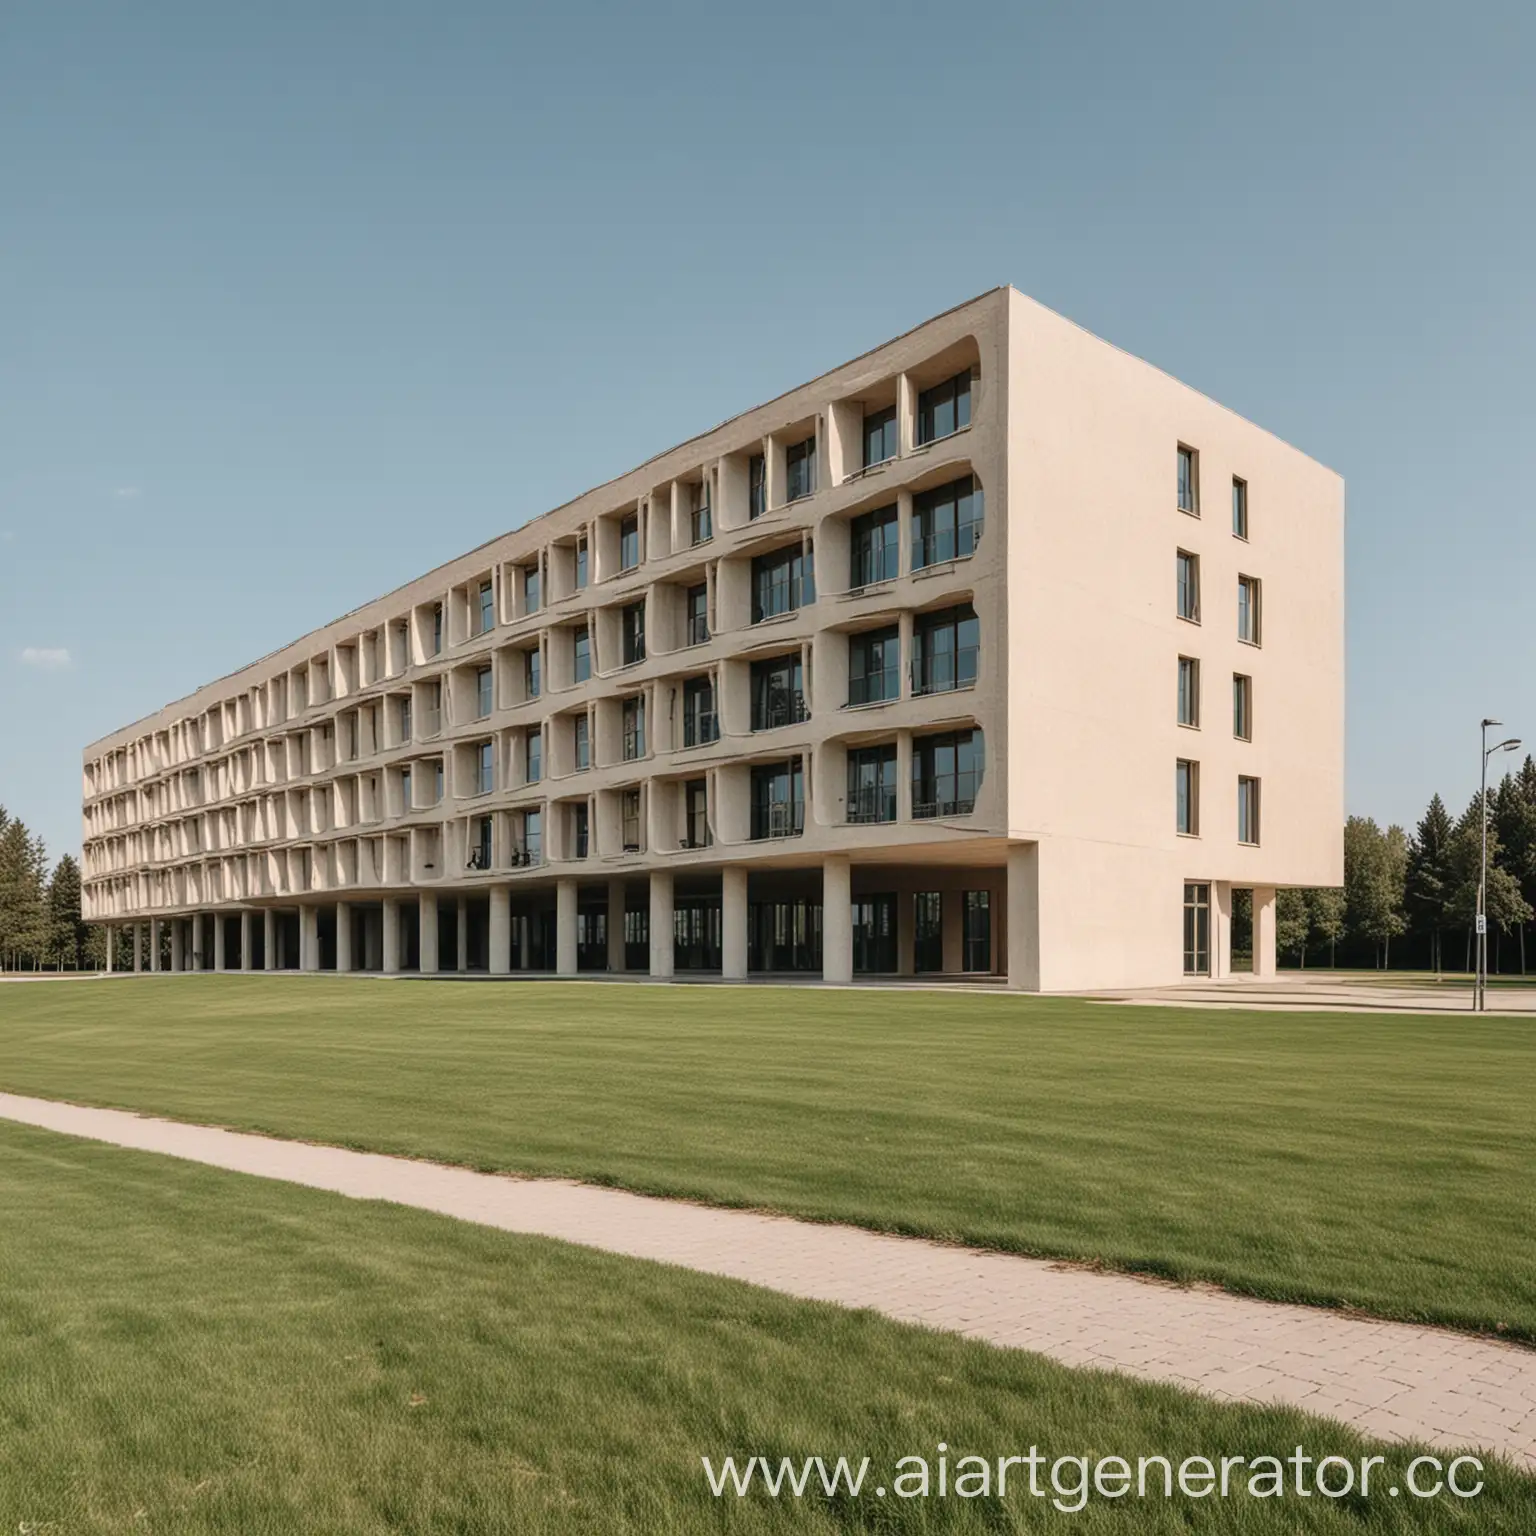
[{"x": 302, "y": 299}]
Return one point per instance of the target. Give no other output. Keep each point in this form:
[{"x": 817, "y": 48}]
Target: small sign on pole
[{"x": 1482, "y": 923}]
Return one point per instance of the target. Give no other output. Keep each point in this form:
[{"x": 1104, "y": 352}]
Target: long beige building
[{"x": 994, "y": 652}]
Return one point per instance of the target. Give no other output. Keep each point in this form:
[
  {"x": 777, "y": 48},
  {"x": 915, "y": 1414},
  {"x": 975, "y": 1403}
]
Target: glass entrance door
[
  {"x": 1197, "y": 929},
  {"x": 874, "y": 934}
]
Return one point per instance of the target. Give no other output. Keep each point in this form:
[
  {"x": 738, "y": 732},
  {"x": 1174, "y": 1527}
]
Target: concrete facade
[{"x": 880, "y": 678}]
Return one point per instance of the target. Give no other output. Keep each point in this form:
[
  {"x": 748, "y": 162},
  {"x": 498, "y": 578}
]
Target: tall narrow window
[
  {"x": 778, "y": 799},
  {"x": 873, "y": 547},
  {"x": 581, "y": 651},
  {"x": 880, "y": 436},
  {"x": 581, "y": 564},
  {"x": 437, "y": 782},
  {"x": 406, "y": 801},
  {"x": 629, "y": 819},
  {"x": 700, "y": 519},
  {"x": 697, "y": 603},
  {"x": 1189, "y": 481},
  {"x": 1189, "y": 691},
  {"x": 800, "y": 469},
  {"x": 437, "y": 628},
  {"x": 928, "y": 931},
  {"x": 629, "y": 542},
  {"x": 874, "y": 666},
  {"x": 1189, "y": 586},
  {"x": 632, "y": 622},
  {"x": 487, "y": 608},
  {"x": 532, "y": 672},
  {"x": 1247, "y": 810},
  {"x": 581, "y": 735},
  {"x": 946, "y": 523},
  {"x": 757, "y": 487},
  {"x": 872, "y": 784},
  {"x": 1242, "y": 707},
  {"x": 977, "y": 933},
  {"x": 1197, "y": 930},
  {"x": 1187, "y": 793},
  {"x": 579, "y": 821},
  {"x": 483, "y": 692},
  {"x": 532, "y": 850},
  {"x": 634, "y": 728},
  {"x": 533, "y": 757},
  {"x": 480, "y": 848},
  {"x": 1239, "y": 507},
  {"x": 944, "y": 409},
  {"x": 485, "y": 768},
  {"x": 696, "y": 814},
  {"x": 530, "y": 589},
  {"x": 405, "y": 719},
  {"x": 700, "y": 725},
  {"x": 1248, "y": 618}
]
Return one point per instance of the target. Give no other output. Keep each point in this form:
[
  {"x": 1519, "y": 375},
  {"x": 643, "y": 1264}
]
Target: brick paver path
[{"x": 1388, "y": 1380}]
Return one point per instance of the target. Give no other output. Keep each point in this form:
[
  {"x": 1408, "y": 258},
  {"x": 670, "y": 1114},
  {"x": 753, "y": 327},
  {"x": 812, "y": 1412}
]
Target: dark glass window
[
  {"x": 1247, "y": 810},
  {"x": 629, "y": 818},
  {"x": 485, "y": 768},
  {"x": 1189, "y": 691},
  {"x": 581, "y": 564},
  {"x": 1248, "y": 609},
  {"x": 634, "y": 728},
  {"x": 487, "y": 607},
  {"x": 533, "y": 757},
  {"x": 1189, "y": 489},
  {"x": 581, "y": 735},
  {"x": 946, "y": 773},
  {"x": 698, "y": 613},
  {"x": 800, "y": 469},
  {"x": 1240, "y": 507},
  {"x": 405, "y": 790},
  {"x": 530, "y": 589},
  {"x": 533, "y": 667},
  {"x": 945, "y": 647},
  {"x": 946, "y": 522},
  {"x": 778, "y": 799},
  {"x": 928, "y": 932},
  {"x": 778, "y": 697},
  {"x": 874, "y": 666},
  {"x": 629, "y": 542},
  {"x": 880, "y": 436},
  {"x": 700, "y": 519},
  {"x": 945, "y": 408},
  {"x": 757, "y": 486},
  {"x": 1197, "y": 930},
  {"x": 480, "y": 849},
  {"x": 405, "y": 719},
  {"x": 782, "y": 582},
  {"x": 633, "y": 624},
  {"x": 1187, "y": 796},
  {"x": 874, "y": 934},
  {"x": 696, "y": 832},
  {"x": 872, "y": 784},
  {"x": 1242, "y": 707},
  {"x": 532, "y": 849},
  {"x": 1189, "y": 586},
  {"x": 700, "y": 724},
  {"x": 579, "y": 828},
  {"x": 437, "y": 781},
  {"x": 437, "y": 628},
  {"x": 977, "y": 954},
  {"x": 873, "y": 548},
  {"x": 582, "y": 650},
  {"x": 483, "y": 692}
]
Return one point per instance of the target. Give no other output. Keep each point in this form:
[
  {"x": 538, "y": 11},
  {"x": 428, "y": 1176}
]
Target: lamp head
[{"x": 1487, "y": 723}]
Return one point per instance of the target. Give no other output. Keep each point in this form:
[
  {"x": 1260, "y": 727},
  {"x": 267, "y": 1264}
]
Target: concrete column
[
  {"x": 154, "y": 944},
  {"x": 1264, "y": 932},
  {"x": 218, "y": 941},
  {"x": 428, "y": 943},
  {"x": 391, "y": 936},
  {"x": 1221, "y": 930},
  {"x": 837, "y": 918},
  {"x": 906, "y": 932},
  {"x": 501, "y": 931},
  {"x": 565, "y": 928},
  {"x": 525, "y": 944},
  {"x": 269, "y": 940},
  {"x": 343, "y": 936},
  {"x": 178, "y": 945},
  {"x": 662, "y": 953},
  {"x": 616, "y": 925},
  {"x": 111, "y": 937},
  {"x": 138, "y": 947},
  {"x": 1023, "y": 909},
  {"x": 462, "y": 933},
  {"x": 309, "y": 937},
  {"x": 733, "y": 923},
  {"x": 246, "y": 925}
]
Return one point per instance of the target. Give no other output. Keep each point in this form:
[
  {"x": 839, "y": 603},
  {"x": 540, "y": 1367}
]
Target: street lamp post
[{"x": 1480, "y": 987}]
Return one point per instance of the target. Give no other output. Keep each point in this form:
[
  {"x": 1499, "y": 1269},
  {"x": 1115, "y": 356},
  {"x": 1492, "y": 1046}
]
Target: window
[
  {"x": 1247, "y": 810},
  {"x": 483, "y": 692},
  {"x": 405, "y": 791},
  {"x": 629, "y": 542},
  {"x": 634, "y": 728},
  {"x": 700, "y": 725},
  {"x": 531, "y": 596},
  {"x": 405, "y": 719},
  {"x": 532, "y": 670},
  {"x": 582, "y": 654},
  {"x": 437, "y": 782},
  {"x": 581, "y": 564},
  {"x": 629, "y": 819},
  {"x": 928, "y": 932},
  {"x": 880, "y": 436},
  {"x": 757, "y": 487},
  {"x": 1197, "y": 930},
  {"x": 944, "y": 409},
  {"x": 581, "y": 737},
  {"x": 1189, "y": 586},
  {"x": 800, "y": 469},
  {"x": 632, "y": 623},
  {"x": 946, "y": 523},
  {"x": 531, "y": 849},
  {"x": 485, "y": 768},
  {"x": 1239, "y": 508},
  {"x": 873, "y": 546},
  {"x": 696, "y": 832},
  {"x": 480, "y": 845},
  {"x": 696, "y": 603},
  {"x": 701, "y": 523},
  {"x": 434, "y": 710},
  {"x": 782, "y": 582},
  {"x": 1248, "y": 609},
  {"x": 874, "y": 666},
  {"x": 976, "y": 954},
  {"x": 777, "y": 694},
  {"x": 872, "y": 784},
  {"x": 579, "y": 827},
  {"x": 1189, "y": 482},
  {"x": 946, "y": 774},
  {"x": 945, "y": 646},
  {"x": 1189, "y": 691},
  {"x": 778, "y": 799},
  {"x": 1242, "y": 707},
  {"x": 533, "y": 757},
  {"x": 487, "y": 613},
  {"x": 437, "y": 628},
  {"x": 1187, "y": 791}
]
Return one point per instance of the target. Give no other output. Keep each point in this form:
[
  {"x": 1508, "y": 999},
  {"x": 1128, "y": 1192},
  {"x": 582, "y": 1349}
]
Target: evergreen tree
[
  {"x": 1427, "y": 890},
  {"x": 1514, "y": 818},
  {"x": 66, "y": 933},
  {"x": 1505, "y": 906}
]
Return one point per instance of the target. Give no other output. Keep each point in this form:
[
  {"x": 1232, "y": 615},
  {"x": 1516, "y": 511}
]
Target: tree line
[
  {"x": 1410, "y": 899},
  {"x": 40, "y": 926}
]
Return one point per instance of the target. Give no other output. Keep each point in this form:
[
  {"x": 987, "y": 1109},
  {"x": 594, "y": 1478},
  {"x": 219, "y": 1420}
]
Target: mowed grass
[
  {"x": 186, "y": 1350},
  {"x": 1384, "y": 1163}
]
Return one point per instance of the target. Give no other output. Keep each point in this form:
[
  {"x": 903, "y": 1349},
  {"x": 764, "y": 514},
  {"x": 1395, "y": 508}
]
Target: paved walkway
[
  {"x": 1388, "y": 1380},
  {"x": 1331, "y": 992}
]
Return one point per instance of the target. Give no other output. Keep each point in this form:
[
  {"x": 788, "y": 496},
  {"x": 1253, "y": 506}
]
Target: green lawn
[
  {"x": 186, "y": 1350},
  {"x": 1387, "y": 1163}
]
